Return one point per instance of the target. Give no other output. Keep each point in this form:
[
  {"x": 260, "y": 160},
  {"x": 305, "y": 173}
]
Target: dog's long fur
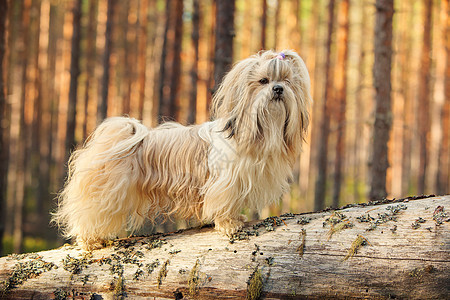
[{"x": 126, "y": 172}]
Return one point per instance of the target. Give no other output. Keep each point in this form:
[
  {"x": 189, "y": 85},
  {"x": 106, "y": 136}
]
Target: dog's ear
[{"x": 232, "y": 89}]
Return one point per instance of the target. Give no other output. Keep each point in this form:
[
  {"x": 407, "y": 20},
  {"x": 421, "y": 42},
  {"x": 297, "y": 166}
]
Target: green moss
[
  {"x": 301, "y": 248},
  {"x": 162, "y": 273},
  {"x": 194, "y": 279},
  {"x": 76, "y": 265},
  {"x": 24, "y": 271},
  {"x": 255, "y": 285},
  {"x": 356, "y": 244}
]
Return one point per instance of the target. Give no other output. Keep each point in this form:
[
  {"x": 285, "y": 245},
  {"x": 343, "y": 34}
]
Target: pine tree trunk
[
  {"x": 171, "y": 61},
  {"x": 192, "y": 110},
  {"x": 263, "y": 25},
  {"x": 341, "y": 97},
  {"x": 382, "y": 85},
  {"x": 423, "y": 113},
  {"x": 4, "y": 143},
  {"x": 322, "y": 156},
  {"x": 443, "y": 174},
  {"x": 74, "y": 74},
  {"x": 102, "y": 108},
  {"x": 223, "y": 56},
  {"x": 90, "y": 61}
]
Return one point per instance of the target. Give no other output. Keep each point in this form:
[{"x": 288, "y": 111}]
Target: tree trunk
[
  {"x": 74, "y": 74},
  {"x": 322, "y": 156},
  {"x": 341, "y": 97},
  {"x": 4, "y": 144},
  {"x": 344, "y": 254},
  {"x": 223, "y": 56},
  {"x": 192, "y": 110},
  {"x": 443, "y": 174},
  {"x": 102, "y": 109},
  {"x": 263, "y": 24},
  {"x": 90, "y": 62},
  {"x": 171, "y": 61},
  {"x": 423, "y": 113},
  {"x": 382, "y": 85}
]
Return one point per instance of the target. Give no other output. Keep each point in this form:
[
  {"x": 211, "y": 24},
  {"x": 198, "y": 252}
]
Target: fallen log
[{"x": 390, "y": 249}]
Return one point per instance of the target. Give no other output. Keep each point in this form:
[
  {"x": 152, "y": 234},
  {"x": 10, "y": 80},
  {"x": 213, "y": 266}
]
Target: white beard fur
[{"x": 126, "y": 172}]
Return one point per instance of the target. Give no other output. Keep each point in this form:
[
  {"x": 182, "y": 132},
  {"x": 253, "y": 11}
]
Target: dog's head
[{"x": 264, "y": 103}]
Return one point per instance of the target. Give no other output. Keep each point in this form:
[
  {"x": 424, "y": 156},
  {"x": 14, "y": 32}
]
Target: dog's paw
[
  {"x": 229, "y": 226},
  {"x": 90, "y": 244}
]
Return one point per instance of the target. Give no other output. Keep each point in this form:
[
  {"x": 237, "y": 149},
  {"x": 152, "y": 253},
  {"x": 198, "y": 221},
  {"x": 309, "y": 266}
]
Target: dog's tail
[{"x": 102, "y": 175}]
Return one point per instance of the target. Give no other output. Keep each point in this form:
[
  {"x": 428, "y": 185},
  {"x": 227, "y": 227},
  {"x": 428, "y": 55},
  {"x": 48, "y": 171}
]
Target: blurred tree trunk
[
  {"x": 23, "y": 146},
  {"x": 74, "y": 74},
  {"x": 443, "y": 178},
  {"x": 171, "y": 61},
  {"x": 276, "y": 27},
  {"x": 382, "y": 85},
  {"x": 4, "y": 127},
  {"x": 211, "y": 58},
  {"x": 358, "y": 115},
  {"x": 102, "y": 109},
  {"x": 405, "y": 57},
  {"x": 192, "y": 110},
  {"x": 322, "y": 156},
  {"x": 91, "y": 32},
  {"x": 341, "y": 96},
  {"x": 423, "y": 114},
  {"x": 223, "y": 56},
  {"x": 142, "y": 54},
  {"x": 263, "y": 25}
]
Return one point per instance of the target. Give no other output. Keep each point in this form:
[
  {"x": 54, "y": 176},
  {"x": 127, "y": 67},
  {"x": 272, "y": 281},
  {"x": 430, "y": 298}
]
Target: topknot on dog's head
[{"x": 235, "y": 84}]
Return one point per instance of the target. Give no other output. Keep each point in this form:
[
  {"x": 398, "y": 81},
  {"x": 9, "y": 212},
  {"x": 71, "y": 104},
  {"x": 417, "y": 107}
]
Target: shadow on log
[{"x": 390, "y": 249}]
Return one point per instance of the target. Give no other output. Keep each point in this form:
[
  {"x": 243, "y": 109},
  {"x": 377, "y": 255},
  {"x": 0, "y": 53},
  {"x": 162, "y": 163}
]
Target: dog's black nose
[{"x": 278, "y": 89}]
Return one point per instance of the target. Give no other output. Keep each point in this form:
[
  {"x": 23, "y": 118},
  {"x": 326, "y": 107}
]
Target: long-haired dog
[{"x": 127, "y": 172}]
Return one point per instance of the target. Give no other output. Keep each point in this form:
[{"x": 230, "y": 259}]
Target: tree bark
[
  {"x": 423, "y": 113},
  {"x": 341, "y": 97},
  {"x": 102, "y": 109},
  {"x": 382, "y": 85},
  {"x": 443, "y": 173},
  {"x": 74, "y": 74},
  {"x": 4, "y": 144},
  {"x": 343, "y": 254},
  {"x": 223, "y": 56},
  {"x": 322, "y": 156},
  {"x": 192, "y": 110},
  {"x": 171, "y": 61}
]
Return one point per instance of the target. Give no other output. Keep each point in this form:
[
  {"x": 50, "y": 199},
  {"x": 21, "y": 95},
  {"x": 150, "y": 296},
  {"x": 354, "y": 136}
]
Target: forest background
[{"x": 68, "y": 64}]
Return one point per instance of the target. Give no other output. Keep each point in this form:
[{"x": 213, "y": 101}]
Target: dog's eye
[{"x": 264, "y": 81}]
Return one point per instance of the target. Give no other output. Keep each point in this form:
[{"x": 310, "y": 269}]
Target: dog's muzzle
[{"x": 277, "y": 92}]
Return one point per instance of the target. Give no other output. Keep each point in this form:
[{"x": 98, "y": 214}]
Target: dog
[{"x": 243, "y": 158}]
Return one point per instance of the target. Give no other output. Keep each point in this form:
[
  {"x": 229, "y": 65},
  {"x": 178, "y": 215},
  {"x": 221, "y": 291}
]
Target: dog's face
[{"x": 264, "y": 102}]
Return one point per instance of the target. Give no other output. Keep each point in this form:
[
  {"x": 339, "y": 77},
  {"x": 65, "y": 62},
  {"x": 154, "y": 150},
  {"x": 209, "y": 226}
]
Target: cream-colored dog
[{"x": 127, "y": 172}]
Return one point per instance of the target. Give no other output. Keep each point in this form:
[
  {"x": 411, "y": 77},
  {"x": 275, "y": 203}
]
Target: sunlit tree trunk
[
  {"x": 90, "y": 62},
  {"x": 383, "y": 110},
  {"x": 341, "y": 96},
  {"x": 423, "y": 113},
  {"x": 4, "y": 135},
  {"x": 142, "y": 54},
  {"x": 74, "y": 74},
  {"x": 324, "y": 131},
  {"x": 443, "y": 178}
]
